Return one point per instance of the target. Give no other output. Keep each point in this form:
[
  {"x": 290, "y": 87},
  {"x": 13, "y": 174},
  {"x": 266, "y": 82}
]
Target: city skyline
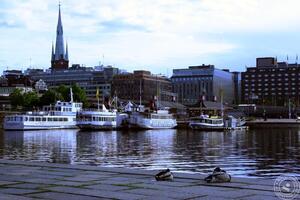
[{"x": 156, "y": 36}]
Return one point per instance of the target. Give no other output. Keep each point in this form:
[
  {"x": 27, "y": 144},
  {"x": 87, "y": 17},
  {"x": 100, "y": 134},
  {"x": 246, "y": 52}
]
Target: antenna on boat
[
  {"x": 71, "y": 94},
  {"x": 140, "y": 92}
]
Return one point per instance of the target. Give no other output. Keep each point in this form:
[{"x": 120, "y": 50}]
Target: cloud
[{"x": 148, "y": 33}]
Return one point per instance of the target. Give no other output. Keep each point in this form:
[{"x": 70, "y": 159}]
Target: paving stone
[
  {"x": 162, "y": 193},
  {"x": 3, "y": 183},
  {"x": 80, "y": 179},
  {"x": 107, "y": 187},
  {"x": 97, "y": 193},
  {"x": 57, "y": 196},
  {"x": 26, "y": 186},
  {"x": 17, "y": 191},
  {"x": 40, "y": 181},
  {"x": 261, "y": 197},
  {"x": 13, "y": 197},
  {"x": 71, "y": 183}
]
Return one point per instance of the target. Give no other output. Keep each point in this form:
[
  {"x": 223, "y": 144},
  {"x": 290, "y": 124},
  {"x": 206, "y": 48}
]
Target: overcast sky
[{"x": 156, "y": 35}]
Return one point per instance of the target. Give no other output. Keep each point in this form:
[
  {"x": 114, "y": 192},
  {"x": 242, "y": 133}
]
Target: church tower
[{"x": 59, "y": 57}]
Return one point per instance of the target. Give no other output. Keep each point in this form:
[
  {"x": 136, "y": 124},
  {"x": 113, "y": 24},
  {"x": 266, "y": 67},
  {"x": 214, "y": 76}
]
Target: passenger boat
[
  {"x": 100, "y": 119},
  {"x": 60, "y": 116},
  {"x": 204, "y": 122},
  {"x": 160, "y": 119}
]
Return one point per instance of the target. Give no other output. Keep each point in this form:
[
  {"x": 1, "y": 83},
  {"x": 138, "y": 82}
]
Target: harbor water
[{"x": 243, "y": 153}]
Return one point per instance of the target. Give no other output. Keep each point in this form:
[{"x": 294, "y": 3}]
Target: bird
[
  {"x": 164, "y": 175},
  {"x": 218, "y": 176}
]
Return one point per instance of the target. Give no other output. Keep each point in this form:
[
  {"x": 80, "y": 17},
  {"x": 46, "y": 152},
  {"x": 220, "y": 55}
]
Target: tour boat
[
  {"x": 100, "y": 119},
  {"x": 160, "y": 119},
  {"x": 204, "y": 122},
  {"x": 60, "y": 116}
]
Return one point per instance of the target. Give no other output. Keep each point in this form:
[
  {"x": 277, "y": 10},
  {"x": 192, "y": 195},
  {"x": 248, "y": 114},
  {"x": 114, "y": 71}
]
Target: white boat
[
  {"x": 60, "y": 116},
  {"x": 160, "y": 119},
  {"x": 100, "y": 119},
  {"x": 204, "y": 122}
]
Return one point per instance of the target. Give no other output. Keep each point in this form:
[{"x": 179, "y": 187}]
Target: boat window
[
  {"x": 60, "y": 119},
  {"x": 55, "y": 119},
  {"x": 31, "y": 119},
  {"x": 44, "y": 119},
  {"x": 38, "y": 119},
  {"x": 50, "y": 119},
  {"x": 26, "y": 118},
  {"x": 65, "y": 119}
]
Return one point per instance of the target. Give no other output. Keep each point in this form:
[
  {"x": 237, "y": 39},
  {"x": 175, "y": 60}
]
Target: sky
[{"x": 155, "y": 35}]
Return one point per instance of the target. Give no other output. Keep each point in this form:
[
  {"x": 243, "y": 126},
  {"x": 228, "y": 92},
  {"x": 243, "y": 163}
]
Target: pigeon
[
  {"x": 164, "y": 175},
  {"x": 218, "y": 176}
]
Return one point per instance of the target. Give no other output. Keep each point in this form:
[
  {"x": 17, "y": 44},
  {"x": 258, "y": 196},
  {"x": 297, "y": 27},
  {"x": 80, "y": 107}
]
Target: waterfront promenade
[{"x": 22, "y": 180}]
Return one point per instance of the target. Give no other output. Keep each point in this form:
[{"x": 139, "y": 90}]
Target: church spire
[
  {"x": 59, "y": 45},
  {"x": 60, "y": 55},
  {"x": 52, "y": 53},
  {"x": 67, "y": 52}
]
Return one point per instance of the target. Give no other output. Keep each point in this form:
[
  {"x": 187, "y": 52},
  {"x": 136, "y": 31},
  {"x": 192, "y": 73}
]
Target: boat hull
[
  {"x": 94, "y": 126},
  {"x": 24, "y": 127}
]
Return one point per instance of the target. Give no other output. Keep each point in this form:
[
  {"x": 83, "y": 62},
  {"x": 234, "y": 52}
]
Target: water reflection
[{"x": 243, "y": 153}]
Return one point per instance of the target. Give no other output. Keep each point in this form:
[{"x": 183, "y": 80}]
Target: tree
[
  {"x": 64, "y": 92},
  {"x": 50, "y": 97},
  {"x": 79, "y": 95},
  {"x": 31, "y": 99},
  {"x": 16, "y": 98}
]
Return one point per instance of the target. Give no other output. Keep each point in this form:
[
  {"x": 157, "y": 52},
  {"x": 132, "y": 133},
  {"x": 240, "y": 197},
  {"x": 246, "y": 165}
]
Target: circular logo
[{"x": 287, "y": 187}]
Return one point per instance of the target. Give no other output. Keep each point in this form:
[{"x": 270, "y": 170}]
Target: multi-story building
[
  {"x": 203, "y": 82},
  {"x": 237, "y": 80},
  {"x": 87, "y": 78},
  {"x": 271, "y": 83},
  {"x": 142, "y": 85}
]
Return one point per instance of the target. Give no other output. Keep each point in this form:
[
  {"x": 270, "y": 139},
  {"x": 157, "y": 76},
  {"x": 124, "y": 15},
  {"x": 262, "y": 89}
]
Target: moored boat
[
  {"x": 160, "y": 119},
  {"x": 99, "y": 119},
  {"x": 205, "y": 122},
  {"x": 60, "y": 116}
]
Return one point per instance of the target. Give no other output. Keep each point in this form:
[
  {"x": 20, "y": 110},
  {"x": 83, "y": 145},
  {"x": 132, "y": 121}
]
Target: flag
[{"x": 97, "y": 94}]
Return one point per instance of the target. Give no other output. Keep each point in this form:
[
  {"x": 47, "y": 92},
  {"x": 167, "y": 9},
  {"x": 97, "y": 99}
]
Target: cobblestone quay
[{"x": 22, "y": 180}]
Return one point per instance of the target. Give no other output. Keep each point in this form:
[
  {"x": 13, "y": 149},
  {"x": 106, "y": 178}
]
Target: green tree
[
  {"x": 79, "y": 95},
  {"x": 31, "y": 99},
  {"x": 64, "y": 92},
  {"x": 50, "y": 97},
  {"x": 16, "y": 98}
]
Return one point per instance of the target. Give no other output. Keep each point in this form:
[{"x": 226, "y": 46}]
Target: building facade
[
  {"x": 271, "y": 83},
  {"x": 87, "y": 78},
  {"x": 204, "y": 82},
  {"x": 59, "y": 57},
  {"x": 142, "y": 86}
]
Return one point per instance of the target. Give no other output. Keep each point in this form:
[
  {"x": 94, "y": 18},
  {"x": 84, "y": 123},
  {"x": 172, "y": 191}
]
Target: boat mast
[
  {"x": 140, "y": 92},
  {"x": 222, "y": 108},
  {"x": 71, "y": 95}
]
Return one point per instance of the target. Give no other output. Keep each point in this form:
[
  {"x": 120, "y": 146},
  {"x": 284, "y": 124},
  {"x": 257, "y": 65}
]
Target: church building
[{"x": 59, "y": 57}]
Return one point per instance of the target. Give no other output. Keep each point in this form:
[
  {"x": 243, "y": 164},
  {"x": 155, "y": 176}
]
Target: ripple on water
[{"x": 254, "y": 153}]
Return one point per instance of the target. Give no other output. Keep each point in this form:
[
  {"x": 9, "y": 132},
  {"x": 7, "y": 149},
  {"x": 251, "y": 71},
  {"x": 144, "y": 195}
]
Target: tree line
[{"x": 29, "y": 100}]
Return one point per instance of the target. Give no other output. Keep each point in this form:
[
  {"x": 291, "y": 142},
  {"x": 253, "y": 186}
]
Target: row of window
[
  {"x": 272, "y": 84},
  {"x": 266, "y": 80},
  {"x": 271, "y": 75},
  {"x": 99, "y": 119},
  {"x": 273, "y": 94},
  {"x": 266, "y": 89},
  {"x": 39, "y": 119}
]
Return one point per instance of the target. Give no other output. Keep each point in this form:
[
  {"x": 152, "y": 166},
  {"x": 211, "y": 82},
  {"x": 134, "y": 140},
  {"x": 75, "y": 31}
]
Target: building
[
  {"x": 11, "y": 80},
  {"x": 237, "y": 80},
  {"x": 85, "y": 77},
  {"x": 271, "y": 83},
  {"x": 204, "y": 82},
  {"x": 142, "y": 86},
  {"x": 59, "y": 57}
]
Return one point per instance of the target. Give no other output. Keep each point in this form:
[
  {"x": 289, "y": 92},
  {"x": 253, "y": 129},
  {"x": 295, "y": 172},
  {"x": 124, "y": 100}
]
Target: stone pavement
[{"x": 21, "y": 180}]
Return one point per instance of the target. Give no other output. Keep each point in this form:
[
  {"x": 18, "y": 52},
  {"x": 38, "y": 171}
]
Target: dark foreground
[{"x": 23, "y": 180}]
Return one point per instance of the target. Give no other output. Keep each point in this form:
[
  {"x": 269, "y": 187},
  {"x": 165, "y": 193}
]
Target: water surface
[{"x": 253, "y": 153}]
